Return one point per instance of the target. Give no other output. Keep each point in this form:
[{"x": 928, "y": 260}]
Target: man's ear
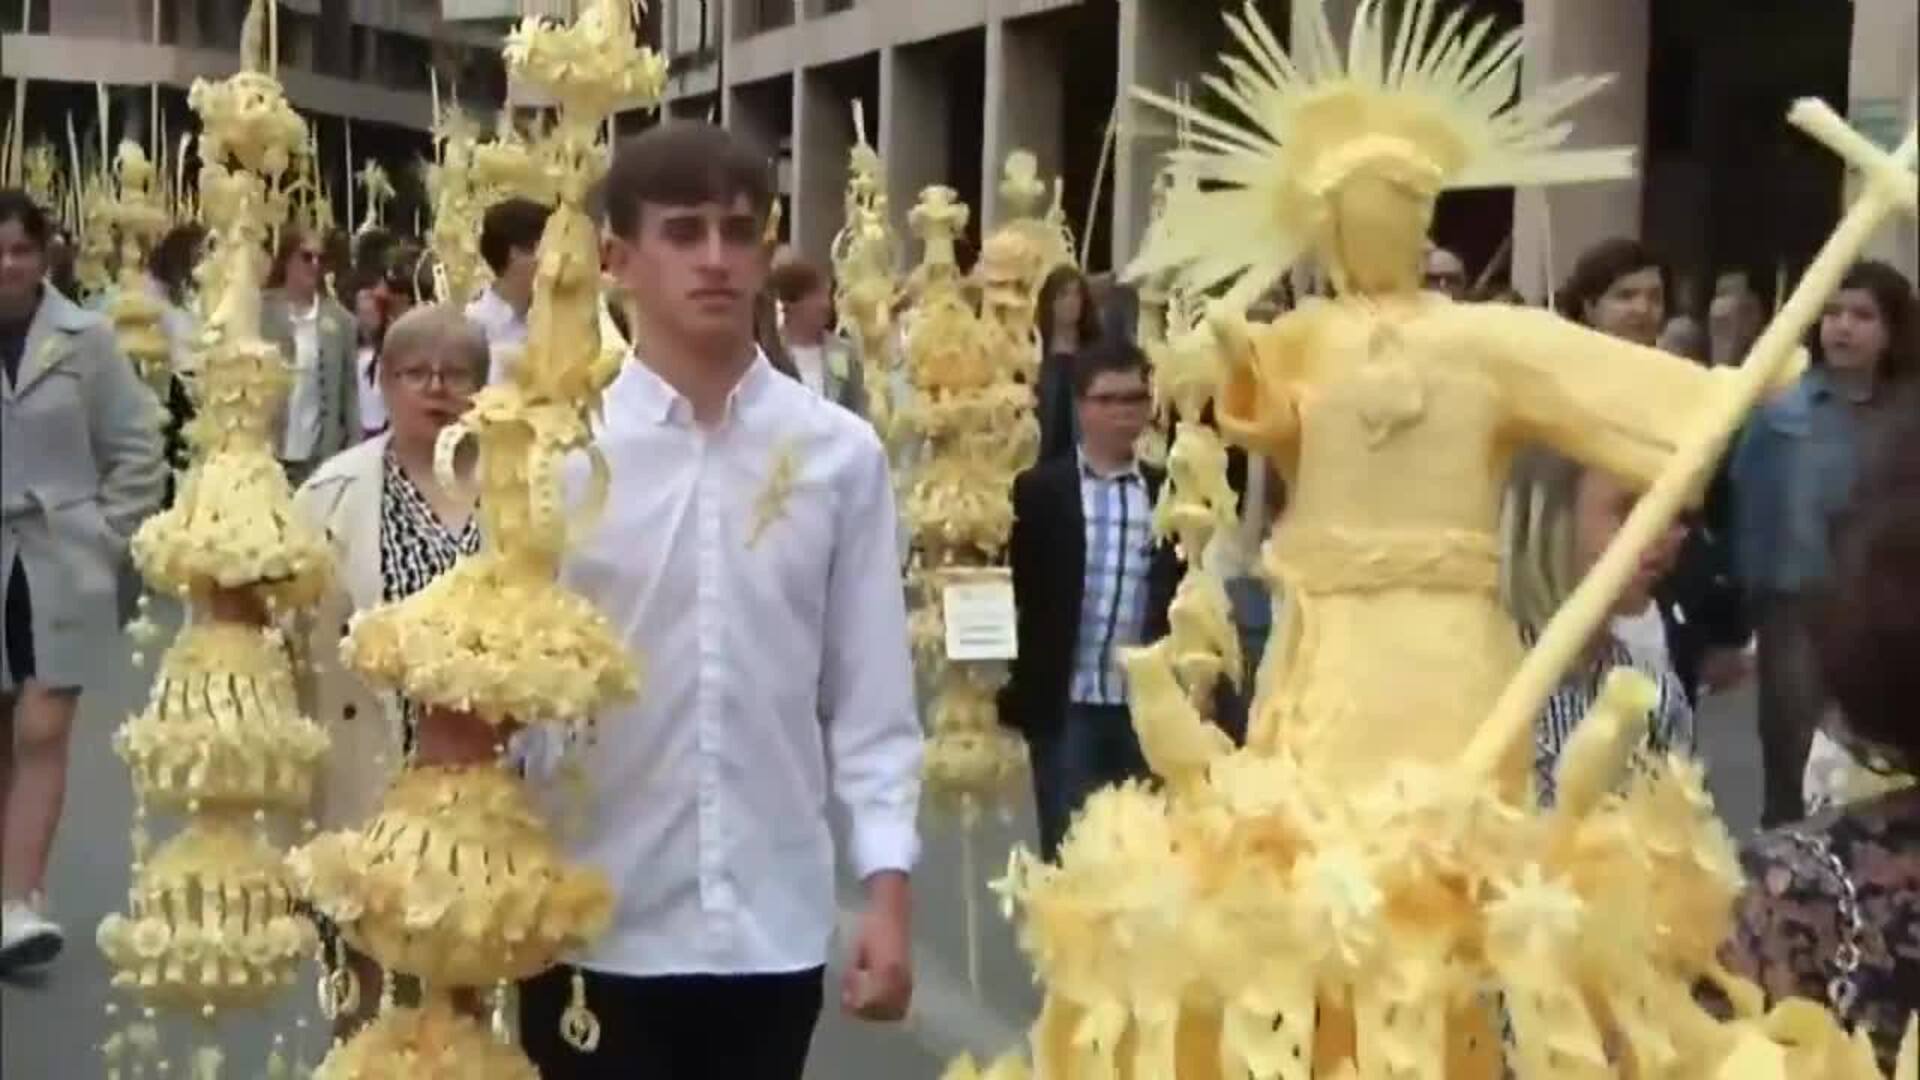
[{"x": 616, "y": 252}]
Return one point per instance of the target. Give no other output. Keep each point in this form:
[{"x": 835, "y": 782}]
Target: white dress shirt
[
  {"x": 505, "y": 330},
  {"x": 775, "y": 669},
  {"x": 373, "y": 402},
  {"x": 303, "y": 396},
  {"x": 1645, "y": 636},
  {"x": 811, "y": 363},
  {"x": 176, "y": 323}
]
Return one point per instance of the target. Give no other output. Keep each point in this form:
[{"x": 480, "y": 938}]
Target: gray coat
[
  {"x": 339, "y": 395},
  {"x": 80, "y": 467}
]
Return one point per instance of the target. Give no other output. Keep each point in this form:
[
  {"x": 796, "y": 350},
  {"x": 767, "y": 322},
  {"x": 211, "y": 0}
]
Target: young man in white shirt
[
  {"x": 509, "y": 235},
  {"x": 749, "y": 554}
]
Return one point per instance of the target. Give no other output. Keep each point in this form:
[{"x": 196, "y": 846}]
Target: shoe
[{"x": 27, "y": 938}]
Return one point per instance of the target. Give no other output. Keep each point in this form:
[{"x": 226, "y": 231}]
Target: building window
[
  {"x": 407, "y": 61},
  {"x": 333, "y": 52},
  {"x": 296, "y": 32},
  {"x": 218, "y": 22},
  {"x": 759, "y": 16},
  {"x": 168, "y": 15}
]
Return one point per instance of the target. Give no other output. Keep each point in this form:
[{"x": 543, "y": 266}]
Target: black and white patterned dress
[
  {"x": 1671, "y": 730},
  {"x": 415, "y": 547}
]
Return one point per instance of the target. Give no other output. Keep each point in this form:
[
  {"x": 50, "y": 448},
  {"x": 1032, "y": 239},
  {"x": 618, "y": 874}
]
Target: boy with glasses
[{"x": 1089, "y": 581}]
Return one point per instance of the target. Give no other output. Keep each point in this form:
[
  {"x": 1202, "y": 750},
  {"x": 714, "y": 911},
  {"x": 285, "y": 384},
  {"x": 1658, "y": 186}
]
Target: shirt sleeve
[{"x": 872, "y": 728}]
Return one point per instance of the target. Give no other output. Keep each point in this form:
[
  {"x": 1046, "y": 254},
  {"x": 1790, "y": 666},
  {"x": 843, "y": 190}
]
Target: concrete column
[
  {"x": 1565, "y": 38},
  {"x": 1880, "y": 81},
  {"x": 914, "y": 125},
  {"x": 1023, "y": 107},
  {"x": 724, "y": 32},
  {"x": 1162, "y": 43},
  {"x": 822, "y": 134}
]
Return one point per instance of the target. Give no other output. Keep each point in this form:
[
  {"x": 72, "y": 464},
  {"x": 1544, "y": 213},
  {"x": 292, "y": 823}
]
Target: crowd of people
[{"x": 780, "y": 675}]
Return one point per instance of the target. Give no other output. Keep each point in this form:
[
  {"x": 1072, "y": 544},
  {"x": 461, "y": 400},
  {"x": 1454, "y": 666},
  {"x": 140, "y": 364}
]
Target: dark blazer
[
  {"x": 1701, "y": 601},
  {"x": 1048, "y": 554}
]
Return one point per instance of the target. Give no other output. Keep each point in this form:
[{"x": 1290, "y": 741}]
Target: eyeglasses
[
  {"x": 459, "y": 380},
  {"x": 1130, "y": 397}
]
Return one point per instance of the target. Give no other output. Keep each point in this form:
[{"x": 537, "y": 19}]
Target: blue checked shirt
[{"x": 1119, "y": 531}]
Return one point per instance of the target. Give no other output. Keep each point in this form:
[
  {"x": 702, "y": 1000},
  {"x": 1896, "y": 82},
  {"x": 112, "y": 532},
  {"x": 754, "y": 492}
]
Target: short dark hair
[
  {"x": 683, "y": 163},
  {"x": 1599, "y": 267},
  {"x": 1893, "y": 294},
  {"x": 1104, "y": 357},
  {"x": 1868, "y": 626},
  {"x": 172, "y": 259},
  {"x": 17, "y": 205},
  {"x": 795, "y": 280},
  {"x": 508, "y": 225}
]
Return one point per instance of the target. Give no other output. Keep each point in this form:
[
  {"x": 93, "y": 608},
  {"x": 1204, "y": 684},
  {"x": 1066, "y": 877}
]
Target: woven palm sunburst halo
[{"x": 1432, "y": 104}]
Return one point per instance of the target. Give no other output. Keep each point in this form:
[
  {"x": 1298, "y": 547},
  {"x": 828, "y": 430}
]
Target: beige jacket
[{"x": 342, "y": 498}]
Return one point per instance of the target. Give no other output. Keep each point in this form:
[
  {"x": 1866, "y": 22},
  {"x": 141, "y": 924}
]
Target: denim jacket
[{"x": 1793, "y": 472}]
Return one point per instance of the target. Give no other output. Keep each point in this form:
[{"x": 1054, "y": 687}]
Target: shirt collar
[
  {"x": 640, "y": 392},
  {"x": 1088, "y": 470},
  {"x": 1820, "y": 387},
  {"x": 498, "y": 306}
]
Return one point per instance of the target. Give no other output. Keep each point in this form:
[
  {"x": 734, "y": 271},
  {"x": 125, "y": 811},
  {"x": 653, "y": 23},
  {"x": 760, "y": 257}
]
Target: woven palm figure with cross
[{"x": 1366, "y": 890}]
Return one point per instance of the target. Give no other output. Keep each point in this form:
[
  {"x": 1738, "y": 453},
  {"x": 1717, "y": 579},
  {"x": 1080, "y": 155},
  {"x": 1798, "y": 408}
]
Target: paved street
[{"x": 52, "y": 1026}]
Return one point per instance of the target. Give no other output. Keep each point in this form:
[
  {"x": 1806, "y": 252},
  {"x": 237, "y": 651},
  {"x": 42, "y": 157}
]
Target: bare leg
[
  {"x": 7, "y": 702},
  {"x": 37, "y": 785}
]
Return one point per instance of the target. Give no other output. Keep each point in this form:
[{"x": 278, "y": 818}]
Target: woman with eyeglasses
[
  {"x": 316, "y": 335},
  {"x": 394, "y": 527}
]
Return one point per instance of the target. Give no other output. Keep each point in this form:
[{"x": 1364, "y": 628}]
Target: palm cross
[
  {"x": 938, "y": 219},
  {"x": 1890, "y": 184},
  {"x": 379, "y": 189}
]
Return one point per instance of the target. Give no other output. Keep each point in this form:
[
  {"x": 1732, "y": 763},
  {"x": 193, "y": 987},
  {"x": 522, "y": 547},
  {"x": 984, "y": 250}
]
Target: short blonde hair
[
  {"x": 438, "y": 329},
  {"x": 1538, "y": 568}
]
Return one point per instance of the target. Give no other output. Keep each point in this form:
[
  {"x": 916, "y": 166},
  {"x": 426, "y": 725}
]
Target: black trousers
[
  {"x": 1792, "y": 698},
  {"x": 676, "y": 1027}
]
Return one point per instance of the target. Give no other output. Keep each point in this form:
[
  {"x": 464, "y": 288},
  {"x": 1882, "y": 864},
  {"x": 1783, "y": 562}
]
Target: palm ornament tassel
[
  {"x": 139, "y": 218},
  {"x": 210, "y": 923},
  {"x": 863, "y": 256},
  {"x": 456, "y": 880}
]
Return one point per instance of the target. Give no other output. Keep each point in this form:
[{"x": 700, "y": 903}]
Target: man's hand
[{"x": 878, "y": 981}]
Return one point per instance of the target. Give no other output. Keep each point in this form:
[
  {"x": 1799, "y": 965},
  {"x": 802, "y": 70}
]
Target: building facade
[
  {"x": 949, "y": 87},
  {"x": 365, "y": 60},
  {"x": 360, "y": 71}
]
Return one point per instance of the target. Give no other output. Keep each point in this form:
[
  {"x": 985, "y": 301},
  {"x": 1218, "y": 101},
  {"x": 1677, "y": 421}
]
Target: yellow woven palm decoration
[
  {"x": 1365, "y": 889},
  {"x": 1433, "y": 106}
]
